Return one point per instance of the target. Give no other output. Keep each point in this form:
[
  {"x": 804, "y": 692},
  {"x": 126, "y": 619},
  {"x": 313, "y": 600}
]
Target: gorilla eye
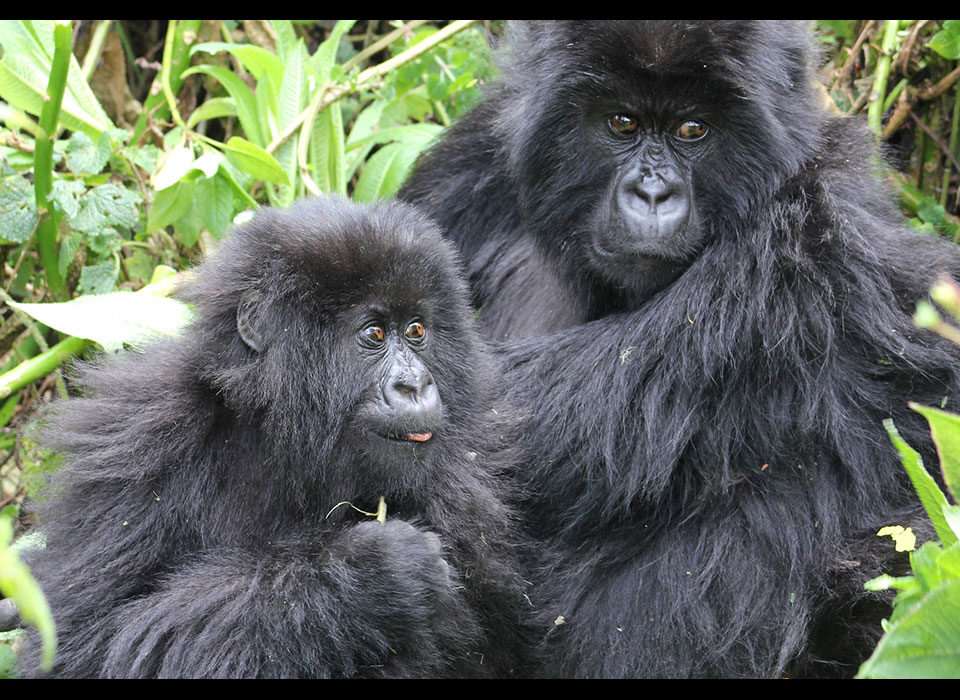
[
  {"x": 415, "y": 331},
  {"x": 692, "y": 130},
  {"x": 373, "y": 334},
  {"x": 623, "y": 123}
]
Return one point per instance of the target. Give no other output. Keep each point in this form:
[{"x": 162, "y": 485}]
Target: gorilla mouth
[
  {"x": 418, "y": 437},
  {"x": 408, "y": 438}
]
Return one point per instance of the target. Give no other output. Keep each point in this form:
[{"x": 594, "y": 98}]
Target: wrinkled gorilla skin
[
  {"x": 706, "y": 293},
  {"x": 195, "y": 530}
]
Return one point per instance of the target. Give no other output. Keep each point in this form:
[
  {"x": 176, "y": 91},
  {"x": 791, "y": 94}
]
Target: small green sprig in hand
[{"x": 380, "y": 515}]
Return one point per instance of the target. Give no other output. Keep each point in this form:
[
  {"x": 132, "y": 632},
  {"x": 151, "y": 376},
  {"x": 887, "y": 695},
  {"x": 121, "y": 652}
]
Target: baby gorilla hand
[
  {"x": 406, "y": 557},
  {"x": 409, "y": 598}
]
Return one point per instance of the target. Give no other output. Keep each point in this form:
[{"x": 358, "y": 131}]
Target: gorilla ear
[{"x": 247, "y": 320}]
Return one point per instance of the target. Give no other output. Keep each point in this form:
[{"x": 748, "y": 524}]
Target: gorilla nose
[
  {"x": 412, "y": 396},
  {"x": 663, "y": 199}
]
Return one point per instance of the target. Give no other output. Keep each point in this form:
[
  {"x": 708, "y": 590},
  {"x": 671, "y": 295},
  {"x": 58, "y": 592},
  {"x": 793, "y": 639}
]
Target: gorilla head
[
  {"x": 376, "y": 297},
  {"x": 669, "y": 136}
]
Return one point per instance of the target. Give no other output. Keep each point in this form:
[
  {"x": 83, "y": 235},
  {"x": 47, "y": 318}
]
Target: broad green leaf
[
  {"x": 17, "y": 583},
  {"x": 287, "y": 41},
  {"x": 114, "y": 319},
  {"x": 930, "y": 494},
  {"x": 170, "y": 204},
  {"x": 945, "y": 428},
  {"x": 323, "y": 59},
  {"x": 243, "y": 99},
  {"x": 255, "y": 161},
  {"x": 28, "y": 48},
  {"x": 214, "y": 108},
  {"x": 257, "y": 60},
  {"x": 216, "y": 193},
  {"x": 366, "y": 123},
  {"x": 414, "y": 134},
  {"x": 924, "y": 642},
  {"x": 946, "y": 42},
  {"x": 208, "y": 163},
  {"x": 107, "y": 205},
  {"x": 84, "y": 157},
  {"x": 327, "y": 152},
  {"x": 98, "y": 279},
  {"x": 18, "y": 209},
  {"x": 67, "y": 194},
  {"x": 386, "y": 171},
  {"x": 172, "y": 166}
]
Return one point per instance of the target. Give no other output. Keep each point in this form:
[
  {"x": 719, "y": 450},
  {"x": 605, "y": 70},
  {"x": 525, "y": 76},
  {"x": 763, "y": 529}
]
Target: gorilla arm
[{"x": 298, "y": 610}]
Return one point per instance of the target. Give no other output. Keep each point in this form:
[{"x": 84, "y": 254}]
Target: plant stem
[
  {"x": 43, "y": 159},
  {"x": 878, "y": 92},
  {"x": 175, "y": 60},
  {"x": 952, "y": 147},
  {"x": 95, "y": 49},
  {"x": 41, "y": 365}
]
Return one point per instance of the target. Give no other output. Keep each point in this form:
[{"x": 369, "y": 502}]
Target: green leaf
[
  {"x": 114, "y": 319},
  {"x": 214, "y": 108},
  {"x": 28, "y": 48},
  {"x": 257, "y": 60},
  {"x": 216, "y": 193},
  {"x": 243, "y": 99},
  {"x": 18, "y": 209},
  {"x": 107, "y": 205},
  {"x": 945, "y": 428},
  {"x": 98, "y": 279},
  {"x": 86, "y": 158},
  {"x": 255, "y": 161},
  {"x": 946, "y": 42},
  {"x": 17, "y": 583},
  {"x": 387, "y": 170},
  {"x": 421, "y": 135},
  {"x": 67, "y": 194},
  {"x": 922, "y": 643},
  {"x": 170, "y": 204},
  {"x": 327, "y": 151},
  {"x": 324, "y": 58},
  {"x": 930, "y": 494},
  {"x": 173, "y": 165}
]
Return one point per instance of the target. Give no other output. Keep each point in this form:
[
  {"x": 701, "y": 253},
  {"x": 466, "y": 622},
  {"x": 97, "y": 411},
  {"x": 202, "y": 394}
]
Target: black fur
[
  {"x": 707, "y": 467},
  {"x": 194, "y": 530}
]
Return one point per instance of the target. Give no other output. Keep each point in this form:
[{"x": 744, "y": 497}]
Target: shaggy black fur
[
  {"x": 193, "y": 531},
  {"x": 707, "y": 466}
]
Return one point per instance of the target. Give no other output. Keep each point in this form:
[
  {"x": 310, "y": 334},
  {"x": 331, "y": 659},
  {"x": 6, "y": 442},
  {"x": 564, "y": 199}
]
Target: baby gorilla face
[{"x": 402, "y": 408}]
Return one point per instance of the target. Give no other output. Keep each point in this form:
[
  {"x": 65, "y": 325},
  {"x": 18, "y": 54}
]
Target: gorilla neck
[{"x": 628, "y": 293}]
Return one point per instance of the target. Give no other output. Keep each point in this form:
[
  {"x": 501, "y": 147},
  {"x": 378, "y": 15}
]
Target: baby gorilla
[{"x": 206, "y": 522}]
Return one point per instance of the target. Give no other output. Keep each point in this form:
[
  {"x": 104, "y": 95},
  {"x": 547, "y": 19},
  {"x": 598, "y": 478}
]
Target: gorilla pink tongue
[{"x": 418, "y": 437}]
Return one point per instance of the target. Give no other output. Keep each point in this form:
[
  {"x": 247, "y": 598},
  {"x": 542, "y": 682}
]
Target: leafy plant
[{"x": 922, "y": 636}]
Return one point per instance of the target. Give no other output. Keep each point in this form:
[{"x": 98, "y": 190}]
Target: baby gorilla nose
[{"x": 412, "y": 401}]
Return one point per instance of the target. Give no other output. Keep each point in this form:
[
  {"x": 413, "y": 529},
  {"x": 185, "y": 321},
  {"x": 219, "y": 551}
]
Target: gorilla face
[
  {"x": 401, "y": 409},
  {"x": 646, "y": 227},
  {"x": 634, "y": 144}
]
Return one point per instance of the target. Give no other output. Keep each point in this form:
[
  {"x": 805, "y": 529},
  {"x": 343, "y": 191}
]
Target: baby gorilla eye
[
  {"x": 373, "y": 333},
  {"x": 623, "y": 123},
  {"x": 415, "y": 331},
  {"x": 692, "y": 130}
]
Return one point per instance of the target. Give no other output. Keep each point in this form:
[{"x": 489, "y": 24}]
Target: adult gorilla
[
  {"x": 730, "y": 293},
  {"x": 199, "y": 526}
]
